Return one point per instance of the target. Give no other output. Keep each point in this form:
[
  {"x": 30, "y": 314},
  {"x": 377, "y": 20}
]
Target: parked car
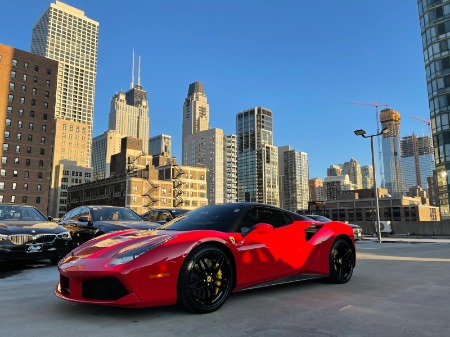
[
  {"x": 357, "y": 230},
  {"x": 162, "y": 215},
  {"x": 87, "y": 222},
  {"x": 27, "y": 234},
  {"x": 199, "y": 258}
]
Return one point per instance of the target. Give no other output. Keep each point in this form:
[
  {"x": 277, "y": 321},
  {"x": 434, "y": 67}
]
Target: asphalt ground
[{"x": 397, "y": 289}]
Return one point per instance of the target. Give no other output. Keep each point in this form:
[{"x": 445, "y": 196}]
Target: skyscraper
[
  {"x": 257, "y": 157},
  {"x": 103, "y": 147},
  {"x": 353, "y": 169},
  {"x": 230, "y": 169},
  {"x": 160, "y": 144},
  {"x": 390, "y": 143},
  {"x": 293, "y": 170},
  {"x": 65, "y": 34},
  {"x": 435, "y": 29},
  {"x": 417, "y": 161},
  {"x": 367, "y": 176},
  {"x": 195, "y": 114}
]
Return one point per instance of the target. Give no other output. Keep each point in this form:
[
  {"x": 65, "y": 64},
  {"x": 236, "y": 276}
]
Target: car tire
[
  {"x": 341, "y": 260},
  {"x": 205, "y": 280}
]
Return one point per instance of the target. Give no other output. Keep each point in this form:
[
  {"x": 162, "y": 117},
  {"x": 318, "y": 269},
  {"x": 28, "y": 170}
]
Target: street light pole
[{"x": 362, "y": 133}]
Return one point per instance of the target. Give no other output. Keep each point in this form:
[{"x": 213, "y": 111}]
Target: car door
[{"x": 270, "y": 246}]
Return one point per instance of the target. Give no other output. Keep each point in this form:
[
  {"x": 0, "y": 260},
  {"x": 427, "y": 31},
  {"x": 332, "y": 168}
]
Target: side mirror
[
  {"x": 50, "y": 218},
  {"x": 85, "y": 219}
]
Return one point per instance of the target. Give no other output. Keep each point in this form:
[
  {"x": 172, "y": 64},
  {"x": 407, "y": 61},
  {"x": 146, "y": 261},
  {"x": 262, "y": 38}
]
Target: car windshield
[
  {"x": 216, "y": 217},
  {"x": 20, "y": 213},
  {"x": 114, "y": 214},
  {"x": 178, "y": 212}
]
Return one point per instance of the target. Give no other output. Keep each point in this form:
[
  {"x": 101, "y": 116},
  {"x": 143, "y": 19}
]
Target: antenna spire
[
  {"x": 139, "y": 71},
  {"x": 132, "y": 72}
]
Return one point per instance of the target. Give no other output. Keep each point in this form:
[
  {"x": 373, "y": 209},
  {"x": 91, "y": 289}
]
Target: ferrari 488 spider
[{"x": 199, "y": 258}]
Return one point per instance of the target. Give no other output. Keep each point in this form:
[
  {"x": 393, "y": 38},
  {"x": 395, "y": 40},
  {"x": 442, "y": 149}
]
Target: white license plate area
[{"x": 34, "y": 248}]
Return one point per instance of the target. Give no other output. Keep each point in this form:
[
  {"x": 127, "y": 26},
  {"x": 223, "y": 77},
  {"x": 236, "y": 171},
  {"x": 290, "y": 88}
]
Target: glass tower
[
  {"x": 390, "y": 143},
  {"x": 257, "y": 157},
  {"x": 434, "y": 18}
]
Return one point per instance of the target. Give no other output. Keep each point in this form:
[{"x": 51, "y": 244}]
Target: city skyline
[{"x": 291, "y": 63}]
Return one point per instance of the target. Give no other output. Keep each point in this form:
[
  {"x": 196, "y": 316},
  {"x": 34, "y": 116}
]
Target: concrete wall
[{"x": 410, "y": 227}]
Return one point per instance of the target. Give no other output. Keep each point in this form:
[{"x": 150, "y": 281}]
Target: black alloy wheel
[
  {"x": 205, "y": 280},
  {"x": 341, "y": 261}
]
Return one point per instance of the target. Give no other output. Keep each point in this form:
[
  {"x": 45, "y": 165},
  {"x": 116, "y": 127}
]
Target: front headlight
[
  {"x": 3, "y": 237},
  {"x": 131, "y": 254},
  {"x": 63, "y": 235}
]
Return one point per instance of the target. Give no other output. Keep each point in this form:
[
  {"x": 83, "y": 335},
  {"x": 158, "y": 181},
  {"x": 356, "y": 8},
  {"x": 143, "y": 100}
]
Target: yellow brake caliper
[{"x": 218, "y": 281}]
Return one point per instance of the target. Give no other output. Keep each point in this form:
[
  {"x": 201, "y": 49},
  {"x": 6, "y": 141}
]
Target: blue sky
[{"x": 304, "y": 60}]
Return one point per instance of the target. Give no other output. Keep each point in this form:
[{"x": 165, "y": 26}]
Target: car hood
[
  {"x": 30, "y": 227},
  {"x": 108, "y": 245},
  {"x": 120, "y": 225}
]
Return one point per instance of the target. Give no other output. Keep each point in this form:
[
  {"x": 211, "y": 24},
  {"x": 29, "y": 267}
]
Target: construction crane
[
  {"x": 377, "y": 121},
  {"x": 426, "y": 121}
]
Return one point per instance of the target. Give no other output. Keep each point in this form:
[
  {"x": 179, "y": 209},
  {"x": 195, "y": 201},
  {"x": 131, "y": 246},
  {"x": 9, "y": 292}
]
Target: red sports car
[{"x": 198, "y": 259}]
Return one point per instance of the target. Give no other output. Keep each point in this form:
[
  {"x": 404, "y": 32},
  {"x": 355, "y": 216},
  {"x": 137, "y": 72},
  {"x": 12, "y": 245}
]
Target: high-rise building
[
  {"x": 160, "y": 144},
  {"x": 128, "y": 114},
  {"x": 293, "y": 171},
  {"x": 195, "y": 114},
  {"x": 316, "y": 191},
  {"x": 334, "y": 185},
  {"x": 257, "y": 157},
  {"x": 103, "y": 147},
  {"x": 334, "y": 171},
  {"x": 417, "y": 161},
  {"x": 63, "y": 33},
  {"x": 390, "y": 143},
  {"x": 353, "y": 169},
  {"x": 367, "y": 176},
  {"x": 230, "y": 169},
  {"x": 435, "y": 30},
  {"x": 27, "y": 105},
  {"x": 205, "y": 148}
]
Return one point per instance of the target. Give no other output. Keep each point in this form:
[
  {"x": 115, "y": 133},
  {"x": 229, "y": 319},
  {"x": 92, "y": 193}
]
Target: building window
[
  {"x": 38, "y": 200},
  {"x": 25, "y": 77},
  {"x": 1, "y": 195},
  {"x": 12, "y": 86},
  {"x": 13, "y": 74},
  {"x": 30, "y": 126},
  {"x": 28, "y": 149},
  {"x": 19, "y": 136},
  {"x": 13, "y": 198},
  {"x": 47, "y": 94},
  {"x": 39, "y": 175},
  {"x": 44, "y": 117},
  {"x": 20, "y": 124},
  {"x": 44, "y": 128},
  {"x": 2, "y": 185},
  {"x": 15, "y": 173},
  {"x": 14, "y": 186},
  {"x": 16, "y": 161},
  {"x": 9, "y": 110},
  {"x": 3, "y": 172},
  {"x": 30, "y": 138},
  {"x": 24, "y": 199},
  {"x": 47, "y": 83},
  {"x": 17, "y": 148},
  {"x": 33, "y": 102},
  {"x": 32, "y": 113},
  {"x": 26, "y": 174},
  {"x": 45, "y": 105},
  {"x": 39, "y": 187},
  {"x": 42, "y": 140},
  {"x": 10, "y": 98},
  {"x": 14, "y": 63},
  {"x": 36, "y": 68},
  {"x": 49, "y": 72},
  {"x": 42, "y": 151},
  {"x": 27, "y": 162},
  {"x": 25, "y": 187},
  {"x": 5, "y": 146},
  {"x": 41, "y": 163},
  {"x": 22, "y": 100},
  {"x": 21, "y": 112},
  {"x": 34, "y": 91},
  {"x": 7, "y": 122},
  {"x": 24, "y": 88},
  {"x": 25, "y": 65},
  {"x": 34, "y": 79}
]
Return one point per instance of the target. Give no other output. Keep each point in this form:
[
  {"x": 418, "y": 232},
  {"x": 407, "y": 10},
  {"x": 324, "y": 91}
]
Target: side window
[
  {"x": 153, "y": 216},
  {"x": 76, "y": 212},
  {"x": 272, "y": 216},
  {"x": 249, "y": 220},
  {"x": 84, "y": 212},
  {"x": 67, "y": 216}
]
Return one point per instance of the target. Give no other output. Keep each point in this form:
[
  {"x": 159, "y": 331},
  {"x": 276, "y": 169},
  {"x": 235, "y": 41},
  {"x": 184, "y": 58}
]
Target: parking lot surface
[{"x": 397, "y": 289}]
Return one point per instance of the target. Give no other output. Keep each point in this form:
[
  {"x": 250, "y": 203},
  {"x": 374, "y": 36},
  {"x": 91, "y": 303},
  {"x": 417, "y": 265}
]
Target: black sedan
[
  {"x": 87, "y": 222},
  {"x": 162, "y": 215},
  {"x": 357, "y": 230},
  {"x": 26, "y": 234}
]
